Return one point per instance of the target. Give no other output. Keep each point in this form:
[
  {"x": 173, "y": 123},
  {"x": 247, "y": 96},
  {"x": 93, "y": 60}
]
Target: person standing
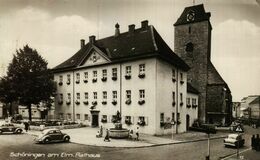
[
  {"x": 107, "y": 136},
  {"x": 101, "y": 131},
  {"x": 137, "y": 133},
  {"x": 26, "y": 126}
]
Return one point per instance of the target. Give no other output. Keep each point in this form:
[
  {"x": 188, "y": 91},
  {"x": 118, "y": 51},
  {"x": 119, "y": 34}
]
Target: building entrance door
[
  {"x": 187, "y": 122},
  {"x": 94, "y": 120}
]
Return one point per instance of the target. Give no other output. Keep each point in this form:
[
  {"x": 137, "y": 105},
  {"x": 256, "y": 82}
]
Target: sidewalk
[{"x": 87, "y": 136}]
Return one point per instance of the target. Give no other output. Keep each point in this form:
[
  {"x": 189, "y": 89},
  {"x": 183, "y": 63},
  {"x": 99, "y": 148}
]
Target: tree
[
  {"x": 30, "y": 78},
  {"x": 7, "y": 93}
]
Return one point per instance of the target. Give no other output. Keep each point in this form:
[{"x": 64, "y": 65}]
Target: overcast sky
[{"x": 55, "y": 27}]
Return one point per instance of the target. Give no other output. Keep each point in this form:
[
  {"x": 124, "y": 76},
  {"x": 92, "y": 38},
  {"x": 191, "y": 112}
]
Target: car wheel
[
  {"x": 67, "y": 139},
  {"x": 46, "y": 140},
  {"x": 19, "y": 131}
]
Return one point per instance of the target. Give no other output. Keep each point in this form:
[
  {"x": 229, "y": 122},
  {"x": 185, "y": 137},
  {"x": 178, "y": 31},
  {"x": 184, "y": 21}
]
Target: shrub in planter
[
  {"x": 141, "y": 75},
  {"x": 128, "y": 76},
  {"x": 60, "y": 83},
  {"x": 141, "y": 102},
  {"x": 181, "y": 104},
  {"x": 60, "y": 102},
  {"x": 128, "y": 122},
  {"x": 85, "y": 102},
  {"x": 104, "y": 120},
  {"x": 173, "y": 103},
  {"x": 94, "y": 80},
  {"x": 77, "y": 81},
  {"x": 77, "y": 102},
  {"x": 114, "y": 102},
  {"x": 85, "y": 81},
  {"x": 188, "y": 105},
  {"x": 162, "y": 124},
  {"x": 104, "y": 102},
  {"x": 103, "y": 79},
  {"x": 94, "y": 103},
  {"x": 194, "y": 106},
  {"x": 68, "y": 102},
  {"x": 141, "y": 123},
  {"x": 178, "y": 122},
  {"x": 68, "y": 82},
  {"x": 128, "y": 101},
  {"x": 181, "y": 81},
  {"x": 114, "y": 78},
  {"x": 173, "y": 80}
]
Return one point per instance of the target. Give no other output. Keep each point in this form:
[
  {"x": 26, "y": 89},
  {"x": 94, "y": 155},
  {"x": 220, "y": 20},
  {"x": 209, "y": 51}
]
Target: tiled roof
[
  {"x": 191, "y": 89},
  {"x": 142, "y": 42},
  {"x": 213, "y": 75},
  {"x": 199, "y": 12}
]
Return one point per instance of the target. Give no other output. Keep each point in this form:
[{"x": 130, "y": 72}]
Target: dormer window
[
  {"x": 173, "y": 75},
  {"x": 181, "y": 78},
  {"x": 68, "y": 79}
]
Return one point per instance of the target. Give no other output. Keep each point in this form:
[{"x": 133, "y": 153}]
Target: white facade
[{"x": 149, "y": 98}]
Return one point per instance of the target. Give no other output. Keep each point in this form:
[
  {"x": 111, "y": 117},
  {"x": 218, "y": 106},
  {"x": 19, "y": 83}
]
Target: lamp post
[{"x": 208, "y": 156}]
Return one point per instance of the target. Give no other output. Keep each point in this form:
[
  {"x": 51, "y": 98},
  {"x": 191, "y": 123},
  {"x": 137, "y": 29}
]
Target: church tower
[{"x": 192, "y": 43}]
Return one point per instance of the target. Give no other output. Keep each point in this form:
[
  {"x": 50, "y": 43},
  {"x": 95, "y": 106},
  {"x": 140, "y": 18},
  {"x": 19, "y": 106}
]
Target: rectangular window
[
  {"x": 68, "y": 78},
  {"x": 104, "y": 73},
  {"x": 128, "y": 70},
  {"x": 173, "y": 96},
  {"x": 142, "y": 94},
  {"x": 61, "y": 79},
  {"x": 193, "y": 101},
  {"x": 181, "y": 97},
  {"x": 86, "y": 95},
  {"x": 95, "y": 95},
  {"x": 104, "y": 118},
  {"x": 178, "y": 117},
  {"x": 181, "y": 76},
  {"x": 188, "y": 101},
  {"x": 128, "y": 94},
  {"x": 61, "y": 115},
  {"x": 114, "y": 94},
  {"x": 77, "y": 77},
  {"x": 69, "y": 97},
  {"x": 173, "y": 73},
  {"x": 94, "y": 74},
  {"x": 141, "y": 68},
  {"x": 78, "y": 116},
  {"x": 78, "y": 96},
  {"x": 173, "y": 116},
  {"x": 61, "y": 97},
  {"x": 69, "y": 116},
  {"x": 86, "y": 117},
  {"x": 114, "y": 72},
  {"x": 162, "y": 117},
  {"x": 104, "y": 95},
  {"x": 85, "y": 75},
  {"x": 128, "y": 120}
]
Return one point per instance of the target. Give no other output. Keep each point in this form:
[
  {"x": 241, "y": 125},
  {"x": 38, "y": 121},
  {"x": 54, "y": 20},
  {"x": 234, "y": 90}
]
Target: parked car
[
  {"x": 52, "y": 135},
  {"x": 235, "y": 140},
  {"x": 10, "y": 128}
]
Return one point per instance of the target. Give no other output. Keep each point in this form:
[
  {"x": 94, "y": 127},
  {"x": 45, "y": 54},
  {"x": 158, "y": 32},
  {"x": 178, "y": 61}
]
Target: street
[{"x": 12, "y": 145}]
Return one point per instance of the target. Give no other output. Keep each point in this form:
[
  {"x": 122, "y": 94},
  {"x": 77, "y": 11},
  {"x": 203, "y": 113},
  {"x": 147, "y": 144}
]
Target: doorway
[
  {"x": 94, "y": 120},
  {"x": 187, "y": 122}
]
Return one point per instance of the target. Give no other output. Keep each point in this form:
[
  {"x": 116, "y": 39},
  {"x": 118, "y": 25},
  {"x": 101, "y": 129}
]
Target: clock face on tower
[{"x": 190, "y": 16}]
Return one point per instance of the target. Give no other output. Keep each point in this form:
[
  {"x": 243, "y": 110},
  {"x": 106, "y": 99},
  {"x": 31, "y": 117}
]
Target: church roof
[
  {"x": 136, "y": 44},
  {"x": 199, "y": 15}
]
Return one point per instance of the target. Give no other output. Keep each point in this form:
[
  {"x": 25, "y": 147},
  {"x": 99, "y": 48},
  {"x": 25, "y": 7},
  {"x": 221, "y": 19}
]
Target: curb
[{"x": 152, "y": 145}]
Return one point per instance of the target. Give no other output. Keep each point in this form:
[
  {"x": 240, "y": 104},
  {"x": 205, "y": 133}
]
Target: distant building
[
  {"x": 193, "y": 44},
  {"x": 134, "y": 73},
  {"x": 254, "y": 109},
  {"x": 245, "y": 111},
  {"x": 236, "y": 109}
]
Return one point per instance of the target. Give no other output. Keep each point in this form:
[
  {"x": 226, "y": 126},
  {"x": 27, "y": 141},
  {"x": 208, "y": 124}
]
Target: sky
[{"x": 54, "y": 28}]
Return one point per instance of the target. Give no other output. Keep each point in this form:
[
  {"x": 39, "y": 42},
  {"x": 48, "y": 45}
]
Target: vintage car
[
  {"x": 52, "y": 135},
  {"x": 10, "y": 128},
  {"x": 235, "y": 140}
]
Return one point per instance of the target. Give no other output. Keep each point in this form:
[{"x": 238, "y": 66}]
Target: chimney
[
  {"x": 117, "y": 31},
  {"x": 82, "y": 43},
  {"x": 131, "y": 28},
  {"x": 92, "y": 39},
  {"x": 144, "y": 24}
]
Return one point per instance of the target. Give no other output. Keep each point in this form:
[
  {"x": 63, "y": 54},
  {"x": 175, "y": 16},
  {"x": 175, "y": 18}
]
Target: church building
[{"x": 193, "y": 44}]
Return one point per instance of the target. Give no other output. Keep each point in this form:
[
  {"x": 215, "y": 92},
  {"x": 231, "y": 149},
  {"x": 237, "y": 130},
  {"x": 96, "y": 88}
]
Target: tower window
[{"x": 189, "y": 47}]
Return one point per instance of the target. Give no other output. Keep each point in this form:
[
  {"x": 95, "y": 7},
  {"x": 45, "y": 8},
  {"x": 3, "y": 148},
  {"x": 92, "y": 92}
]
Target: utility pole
[{"x": 208, "y": 156}]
